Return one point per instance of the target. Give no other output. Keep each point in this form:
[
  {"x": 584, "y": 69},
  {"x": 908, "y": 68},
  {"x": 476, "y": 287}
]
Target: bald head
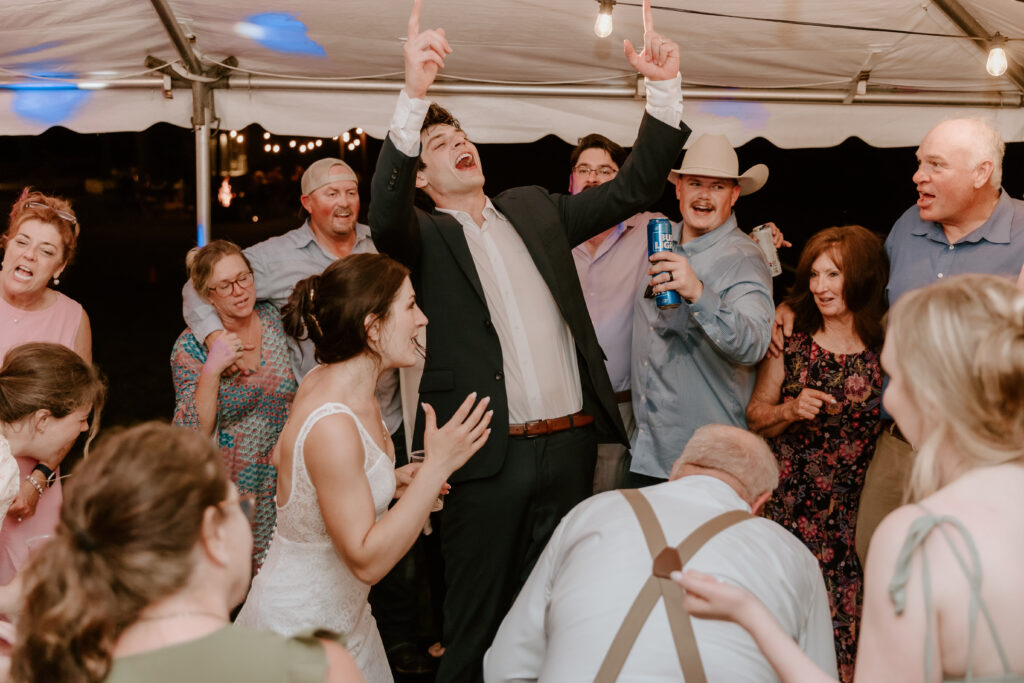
[
  {"x": 738, "y": 454},
  {"x": 959, "y": 171},
  {"x": 978, "y": 138}
]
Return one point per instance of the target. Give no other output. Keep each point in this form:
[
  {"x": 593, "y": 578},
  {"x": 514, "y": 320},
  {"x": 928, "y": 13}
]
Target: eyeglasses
[
  {"x": 601, "y": 171},
  {"x": 69, "y": 217},
  {"x": 246, "y": 503},
  {"x": 224, "y": 288}
]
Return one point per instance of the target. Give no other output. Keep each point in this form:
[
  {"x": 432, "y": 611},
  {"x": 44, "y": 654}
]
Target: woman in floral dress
[
  {"x": 245, "y": 410},
  {"x": 819, "y": 407}
]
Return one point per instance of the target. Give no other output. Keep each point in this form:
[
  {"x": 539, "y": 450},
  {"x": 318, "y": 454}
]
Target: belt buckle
[{"x": 536, "y": 423}]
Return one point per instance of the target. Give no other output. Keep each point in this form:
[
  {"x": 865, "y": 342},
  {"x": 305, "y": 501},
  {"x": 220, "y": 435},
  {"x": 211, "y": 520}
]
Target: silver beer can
[{"x": 763, "y": 233}]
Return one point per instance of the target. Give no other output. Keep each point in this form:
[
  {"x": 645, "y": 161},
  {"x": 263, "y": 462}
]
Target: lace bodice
[
  {"x": 304, "y": 584},
  {"x": 299, "y": 519}
]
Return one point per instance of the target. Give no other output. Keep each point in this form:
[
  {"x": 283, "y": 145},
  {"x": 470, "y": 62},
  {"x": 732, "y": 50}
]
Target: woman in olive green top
[{"x": 151, "y": 553}]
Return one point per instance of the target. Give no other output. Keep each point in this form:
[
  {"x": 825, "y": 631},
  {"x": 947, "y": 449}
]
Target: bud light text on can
[
  {"x": 659, "y": 238},
  {"x": 763, "y": 233}
]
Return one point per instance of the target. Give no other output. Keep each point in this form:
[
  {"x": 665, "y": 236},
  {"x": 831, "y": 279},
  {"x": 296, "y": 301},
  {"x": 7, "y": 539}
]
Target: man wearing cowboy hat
[{"x": 695, "y": 364}]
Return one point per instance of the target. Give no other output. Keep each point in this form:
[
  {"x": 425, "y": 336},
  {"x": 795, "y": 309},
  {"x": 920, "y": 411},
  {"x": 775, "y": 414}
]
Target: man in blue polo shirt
[{"x": 963, "y": 222}]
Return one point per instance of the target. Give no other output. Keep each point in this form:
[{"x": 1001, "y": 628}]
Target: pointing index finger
[
  {"x": 648, "y": 18},
  {"x": 414, "y": 19}
]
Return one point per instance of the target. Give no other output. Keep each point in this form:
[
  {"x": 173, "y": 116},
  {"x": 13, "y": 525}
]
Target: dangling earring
[{"x": 56, "y": 280}]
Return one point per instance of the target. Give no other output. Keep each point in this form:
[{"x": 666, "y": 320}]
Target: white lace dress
[{"x": 304, "y": 584}]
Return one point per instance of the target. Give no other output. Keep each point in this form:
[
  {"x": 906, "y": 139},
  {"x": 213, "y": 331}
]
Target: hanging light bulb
[
  {"x": 603, "y": 25},
  {"x": 996, "y": 64}
]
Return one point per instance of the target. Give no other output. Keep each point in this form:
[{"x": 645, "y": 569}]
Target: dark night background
[{"x": 134, "y": 195}]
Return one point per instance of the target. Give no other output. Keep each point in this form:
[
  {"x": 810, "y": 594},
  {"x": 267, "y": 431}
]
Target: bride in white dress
[{"x": 335, "y": 534}]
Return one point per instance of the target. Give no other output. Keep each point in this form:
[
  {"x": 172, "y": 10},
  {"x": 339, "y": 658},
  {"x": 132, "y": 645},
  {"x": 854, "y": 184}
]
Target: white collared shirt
[
  {"x": 566, "y": 616},
  {"x": 542, "y": 377}
]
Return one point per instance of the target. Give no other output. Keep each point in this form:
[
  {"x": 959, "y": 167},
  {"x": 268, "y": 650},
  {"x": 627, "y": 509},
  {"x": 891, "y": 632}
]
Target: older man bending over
[{"x": 565, "y": 619}]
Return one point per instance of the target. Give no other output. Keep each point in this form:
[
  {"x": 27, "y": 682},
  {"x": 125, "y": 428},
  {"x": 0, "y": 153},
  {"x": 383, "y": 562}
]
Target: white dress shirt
[
  {"x": 567, "y": 614},
  {"x": 537, "y": 346}
]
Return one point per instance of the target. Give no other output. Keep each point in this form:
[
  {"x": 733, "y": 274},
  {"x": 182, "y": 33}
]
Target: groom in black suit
[{"x": 497, "y": 281}]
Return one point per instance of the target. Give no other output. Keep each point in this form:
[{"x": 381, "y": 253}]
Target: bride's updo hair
[
  {"x": 959, "y": 345},
  {"x": 130, "y": 521},
  {"x": 331, "y": 308}
]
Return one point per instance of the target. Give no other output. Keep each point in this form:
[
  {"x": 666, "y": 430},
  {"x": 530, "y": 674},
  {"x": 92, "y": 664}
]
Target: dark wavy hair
[
  {"x": 860, "y": 256},
  {"x": 330, "y": 308},
  {"x": 131, "y": 516}
]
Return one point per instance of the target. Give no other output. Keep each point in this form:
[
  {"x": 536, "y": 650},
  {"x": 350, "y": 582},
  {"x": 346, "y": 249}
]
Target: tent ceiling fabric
[{"x": 51, "y": 47}]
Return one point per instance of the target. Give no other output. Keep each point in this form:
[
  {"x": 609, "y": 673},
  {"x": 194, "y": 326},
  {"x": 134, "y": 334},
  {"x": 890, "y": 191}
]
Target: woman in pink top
[{"x": 38, "y": 245}]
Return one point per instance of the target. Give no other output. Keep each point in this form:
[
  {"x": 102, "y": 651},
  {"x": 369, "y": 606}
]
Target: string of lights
[{"x": 995, "y": 65}]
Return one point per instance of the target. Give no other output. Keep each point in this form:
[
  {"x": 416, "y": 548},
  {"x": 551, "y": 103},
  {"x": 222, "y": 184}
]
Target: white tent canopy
[{"x": 520, "y": 69}]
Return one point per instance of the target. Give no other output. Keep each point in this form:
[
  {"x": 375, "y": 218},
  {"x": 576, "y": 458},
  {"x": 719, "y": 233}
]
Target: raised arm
[
  {"x": 393, "y": 222},
  {"x": 642, "y": 178},
  {"x": 334, "y": 459}
]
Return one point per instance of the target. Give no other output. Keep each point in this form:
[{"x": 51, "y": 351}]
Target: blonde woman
[{"x": 942, "y": 589}]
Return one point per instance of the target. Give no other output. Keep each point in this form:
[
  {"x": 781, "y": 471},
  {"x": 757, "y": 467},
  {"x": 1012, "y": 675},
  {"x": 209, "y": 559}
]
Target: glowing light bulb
[
  {"x": 302, "y": 148},
  {"x": 233, "y": 134},
  {"x": 996, "y": 64},
  {"x": 346, "y": 136},
  {"x": 266, "y": 148},
  {"x": 359, "y": 131},
  {"x": 266, "y": 136},
  {"x": 603, "y": 25},
  {"x": 291, "y": 143},
  {"x": 319, "y": 143},
  {"x": 240, "y": 138},
  {"x": 277, "y": 148}
]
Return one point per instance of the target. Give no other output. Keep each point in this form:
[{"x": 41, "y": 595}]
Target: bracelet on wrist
[{"x": 35, "y": 484}]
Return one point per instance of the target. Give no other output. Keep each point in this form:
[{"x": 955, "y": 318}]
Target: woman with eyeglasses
[
  {"x": 244, "y": 410},
  {"x": 39, "y": 243},
  {"x": 47, "y": 396},
  {"x": 151, "y": 553}
]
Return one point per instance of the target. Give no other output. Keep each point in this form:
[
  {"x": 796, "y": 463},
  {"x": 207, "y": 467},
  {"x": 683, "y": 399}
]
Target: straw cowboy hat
[{"x": 714, "y": 157}]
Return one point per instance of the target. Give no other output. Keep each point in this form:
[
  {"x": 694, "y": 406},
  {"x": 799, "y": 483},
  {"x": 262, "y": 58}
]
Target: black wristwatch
[{"x": 50, "y": 475}]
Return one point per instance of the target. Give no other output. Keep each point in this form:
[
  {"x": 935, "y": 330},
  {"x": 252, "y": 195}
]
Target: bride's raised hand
[{"x": 450, "y": 446}]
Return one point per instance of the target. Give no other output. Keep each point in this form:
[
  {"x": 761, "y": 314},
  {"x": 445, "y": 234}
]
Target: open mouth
[
  {"x": 23, "y": 273},
  {"x": 702, "y": 210},
  {"x": 465, "y": 161},
  {"x": 923, "y": 198}
]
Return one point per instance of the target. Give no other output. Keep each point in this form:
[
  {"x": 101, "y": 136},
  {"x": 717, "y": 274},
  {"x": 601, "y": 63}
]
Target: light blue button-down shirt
[
  {"x": 920, "y": 253},
  {"x": 277, "y": 264},
  {"x": 696, "y": 364}
]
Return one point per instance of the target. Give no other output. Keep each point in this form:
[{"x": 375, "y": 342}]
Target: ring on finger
[{"x": 670, "y": 278}]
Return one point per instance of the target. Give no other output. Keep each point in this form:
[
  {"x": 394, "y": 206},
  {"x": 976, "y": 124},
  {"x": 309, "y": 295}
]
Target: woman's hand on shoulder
[{"x": 452, "y": 445}]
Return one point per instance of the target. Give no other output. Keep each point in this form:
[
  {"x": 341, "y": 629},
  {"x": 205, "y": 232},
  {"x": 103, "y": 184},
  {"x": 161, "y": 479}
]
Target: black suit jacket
[{"x": 463, "y": 351}]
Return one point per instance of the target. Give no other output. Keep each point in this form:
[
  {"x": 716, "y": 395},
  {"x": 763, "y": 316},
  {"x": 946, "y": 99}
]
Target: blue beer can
[{"x": 659, "y": 238}]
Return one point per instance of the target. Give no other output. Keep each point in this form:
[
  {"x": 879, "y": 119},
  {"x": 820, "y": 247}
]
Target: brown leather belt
[
  {"x": 550, "y": 426},
  {"x": 624, "y": 396}
]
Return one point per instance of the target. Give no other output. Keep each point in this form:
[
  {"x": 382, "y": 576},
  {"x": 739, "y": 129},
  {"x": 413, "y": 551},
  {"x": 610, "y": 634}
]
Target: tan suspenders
[{"x": 666, "y": 559}]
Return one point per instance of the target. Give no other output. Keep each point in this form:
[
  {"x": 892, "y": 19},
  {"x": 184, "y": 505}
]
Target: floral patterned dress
[
  {"x": 251, "y": 411},
  {"x": 822, "y": 463}
]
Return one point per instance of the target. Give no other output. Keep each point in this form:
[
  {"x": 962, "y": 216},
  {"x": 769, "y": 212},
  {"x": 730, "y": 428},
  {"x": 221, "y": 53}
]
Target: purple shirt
[
  {"x": 920, "y": 253},
  {"x": 610, "y": 280}
]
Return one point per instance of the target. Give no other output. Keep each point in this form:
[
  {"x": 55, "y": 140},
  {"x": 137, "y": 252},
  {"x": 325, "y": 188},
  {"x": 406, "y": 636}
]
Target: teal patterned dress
[
  {"x": 251, "y": 411},
  {"x": 822, "y": 463}
]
